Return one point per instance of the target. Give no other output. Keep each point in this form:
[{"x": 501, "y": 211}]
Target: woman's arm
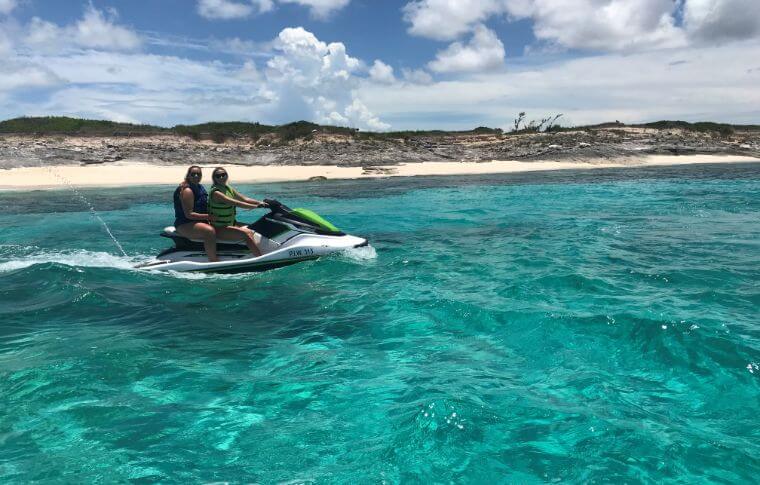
[
  {"x": 188, "y": 204},
  {"x": 220, "y": 197},
  {"x": 255, "y": 202}
]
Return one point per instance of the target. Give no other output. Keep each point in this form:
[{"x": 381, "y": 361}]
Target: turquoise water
[{"x": 573, "y": 327}]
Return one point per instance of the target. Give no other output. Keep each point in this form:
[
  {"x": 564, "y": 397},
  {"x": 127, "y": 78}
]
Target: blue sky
[
  {"x": 372, "y": 29},
  {"x": 397, "y": 64}
]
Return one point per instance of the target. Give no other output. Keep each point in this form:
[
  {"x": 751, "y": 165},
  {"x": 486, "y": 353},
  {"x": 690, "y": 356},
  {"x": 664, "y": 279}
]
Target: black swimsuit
[{"x": 200, "y": 205}]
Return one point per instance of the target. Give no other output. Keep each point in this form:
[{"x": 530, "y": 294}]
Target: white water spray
[
  {"x": 76, "y": 259},
  {"x": 86, "y": 202}
]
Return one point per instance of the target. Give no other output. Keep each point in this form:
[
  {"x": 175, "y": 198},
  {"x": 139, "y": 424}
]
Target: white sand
[{"x": 127, "y": 173}]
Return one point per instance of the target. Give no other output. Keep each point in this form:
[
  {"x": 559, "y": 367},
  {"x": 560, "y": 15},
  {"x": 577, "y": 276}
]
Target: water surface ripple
[{"x": 578, "y": 327}]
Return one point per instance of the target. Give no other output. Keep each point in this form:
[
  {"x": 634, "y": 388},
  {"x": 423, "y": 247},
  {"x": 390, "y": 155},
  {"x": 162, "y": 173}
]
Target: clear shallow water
[{"x": 598, "y": 326}]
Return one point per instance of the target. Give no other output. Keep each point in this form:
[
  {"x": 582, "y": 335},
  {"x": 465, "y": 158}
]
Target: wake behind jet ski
[{"x": 285, "y": 236}]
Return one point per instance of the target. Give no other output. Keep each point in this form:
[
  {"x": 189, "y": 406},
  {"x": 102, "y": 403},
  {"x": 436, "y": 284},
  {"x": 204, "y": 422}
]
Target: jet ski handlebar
[
  {"x": 273, "y": 204},
  {"x": 277, "y": 207}
]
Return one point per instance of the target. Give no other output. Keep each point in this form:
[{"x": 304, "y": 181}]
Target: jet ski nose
[{"x": 362, "y": 244}]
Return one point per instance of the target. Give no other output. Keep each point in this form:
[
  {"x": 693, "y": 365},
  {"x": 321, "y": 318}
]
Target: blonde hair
[{"x": 217, "y": 170}]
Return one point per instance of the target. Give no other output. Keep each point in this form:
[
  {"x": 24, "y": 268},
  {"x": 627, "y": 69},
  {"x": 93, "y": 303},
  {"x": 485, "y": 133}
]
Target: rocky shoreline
[{"x": 613, "y": 144}]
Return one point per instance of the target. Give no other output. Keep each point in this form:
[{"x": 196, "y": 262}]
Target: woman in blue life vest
[
  {"x": 223, "y": 203},
  {"x": 191, "y": 212}
]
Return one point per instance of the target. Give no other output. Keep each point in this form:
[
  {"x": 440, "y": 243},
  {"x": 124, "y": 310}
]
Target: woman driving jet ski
[
  {"x": 286, "y": 235},
  {"x": 191, "y": 218},
  {"x": 223, "y": 204}
]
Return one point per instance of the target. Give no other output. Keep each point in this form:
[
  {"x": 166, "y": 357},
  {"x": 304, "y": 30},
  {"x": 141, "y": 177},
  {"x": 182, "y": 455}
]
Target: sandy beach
[{"x": 130, "y": 173}]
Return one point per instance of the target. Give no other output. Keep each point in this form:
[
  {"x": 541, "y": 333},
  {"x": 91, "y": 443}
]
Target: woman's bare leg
[
  {"x": 204, "y": 232},
  {"x": 233, "y": 233}
]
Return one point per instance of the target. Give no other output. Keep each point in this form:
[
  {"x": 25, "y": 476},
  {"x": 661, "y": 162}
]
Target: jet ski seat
[
  {"x": 265, "y": 245},
  {"x": 171, "y": 232}
]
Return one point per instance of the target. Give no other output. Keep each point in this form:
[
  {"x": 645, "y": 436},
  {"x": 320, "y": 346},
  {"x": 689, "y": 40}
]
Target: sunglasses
[
  {"x": 220, "y": 176},
  {"x": 195, "y": 174}
]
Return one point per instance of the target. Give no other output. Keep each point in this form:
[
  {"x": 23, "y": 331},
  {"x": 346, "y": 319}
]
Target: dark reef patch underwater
[{"x": 597, "y": 326}]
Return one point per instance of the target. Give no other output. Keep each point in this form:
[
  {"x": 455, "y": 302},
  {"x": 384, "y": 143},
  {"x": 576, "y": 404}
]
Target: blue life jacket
[{"x": 200, "y": 204}]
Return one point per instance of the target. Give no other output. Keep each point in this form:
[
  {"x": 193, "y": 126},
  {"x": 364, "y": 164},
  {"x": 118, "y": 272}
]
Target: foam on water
[
  {"x": 365, "y": 253},
  {"x": 75, "y": 259}
]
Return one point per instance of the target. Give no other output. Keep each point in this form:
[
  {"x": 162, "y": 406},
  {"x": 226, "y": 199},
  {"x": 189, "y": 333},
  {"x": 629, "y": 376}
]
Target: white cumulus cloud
[
  {"x": 599, "y": 25},
  {"x": 722, "y": 20},
  {"x": 7, "y": 6},
  {"x": 20, "y": 74},
  {"x": 249, "y": 72},
  {"x": 43, "y": 35},
  {"x": 263, "y": 6},
  {"x": 235, "y": 9},
  {"x": 223, "y": 9},
  {"x": 381, "y": 72},
  {"x": 316, "y": 79},
  {"x": 448, "y": 19},
  {"x": 93, "y": 31},
  {"x": 416, "y": 76},
  {"x": 484, "y": 52},
  {"x": 237, "y": 46},
  {"x": 604, "y": 25},
  {"x": 320, "y": 8}
]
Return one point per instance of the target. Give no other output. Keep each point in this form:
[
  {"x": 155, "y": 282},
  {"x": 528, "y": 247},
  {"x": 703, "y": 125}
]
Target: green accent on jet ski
[{"x": 316, "y": 219}]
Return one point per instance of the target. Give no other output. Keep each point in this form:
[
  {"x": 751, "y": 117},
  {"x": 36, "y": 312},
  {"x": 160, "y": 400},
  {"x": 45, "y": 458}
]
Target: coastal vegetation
[
  {"x": 216, "y": 131},
  {"x": 547, "y": 124},
  {"x": 220, "y": 132},
  {"x": 64, "y": 125}
]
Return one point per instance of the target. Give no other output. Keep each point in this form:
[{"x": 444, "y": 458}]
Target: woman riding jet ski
[
  {"x": 208, "y": 238},
  {"x": 200, "y": 216},
  {"x": 284, "y": 236}
]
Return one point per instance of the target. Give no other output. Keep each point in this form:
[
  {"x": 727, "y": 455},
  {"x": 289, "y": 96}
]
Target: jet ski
[{"x": 285, "y": 236}]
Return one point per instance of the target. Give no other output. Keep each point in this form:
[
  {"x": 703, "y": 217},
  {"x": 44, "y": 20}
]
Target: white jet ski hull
[
  {"x": 284, "y": 236},
  {"x": 302, "y": 247}
]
